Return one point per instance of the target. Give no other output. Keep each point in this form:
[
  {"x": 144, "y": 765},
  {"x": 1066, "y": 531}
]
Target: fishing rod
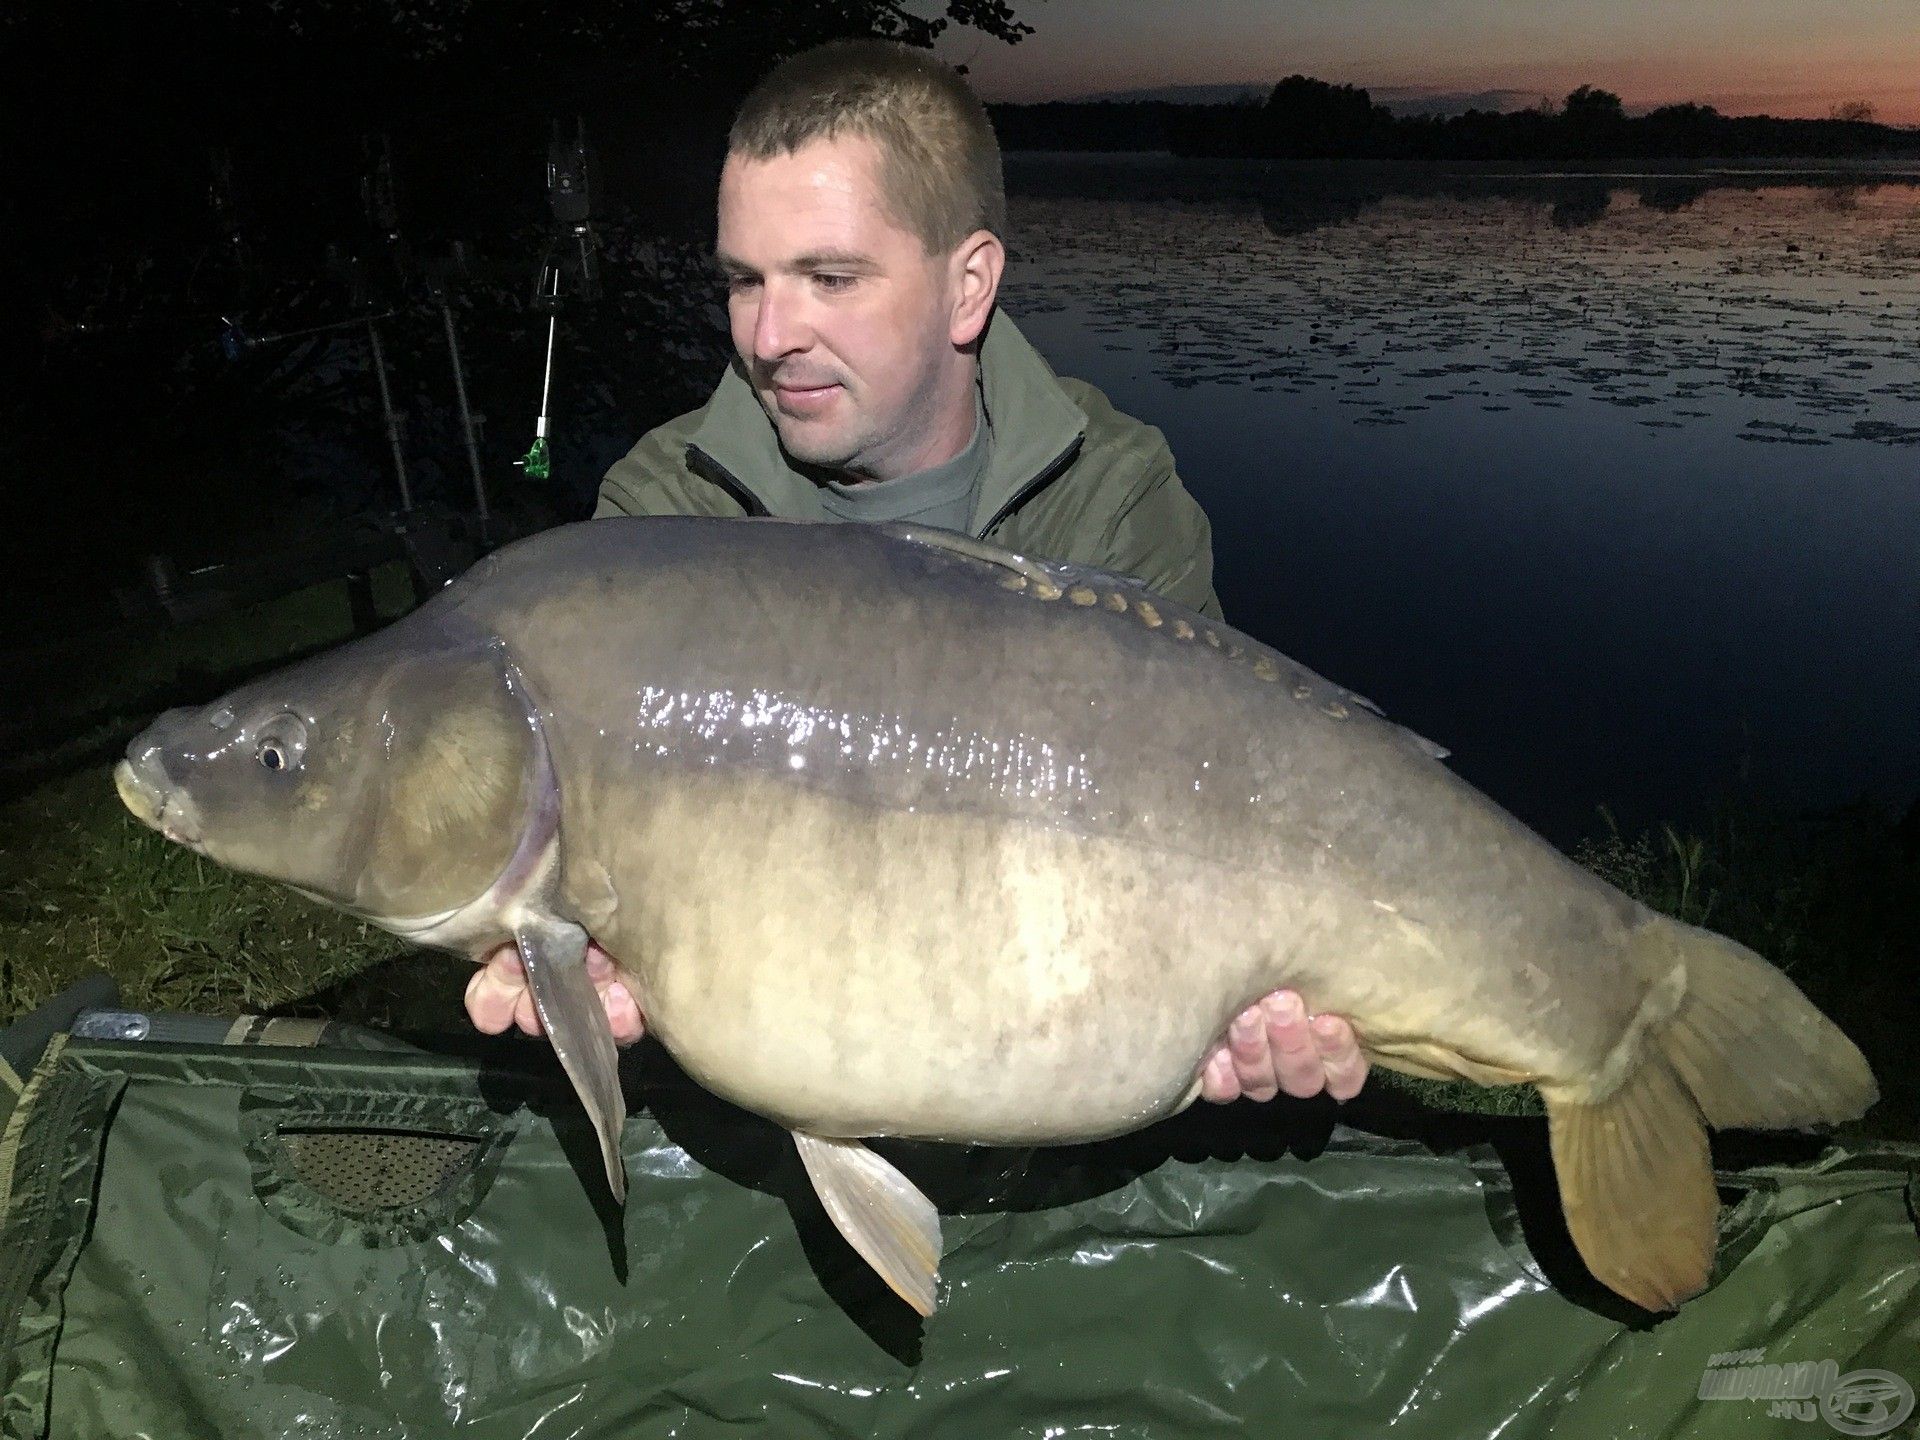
[
  {"x": 380, "y": 206},
  {"x": 230, "y": 223},
  {"x": 379, "y": 203},
  {"x": 439, "y": 274},
  {"x": 124, "y": 299},
  {"x": 572, "y": 259},
  {"x": 236, "y": 339}
]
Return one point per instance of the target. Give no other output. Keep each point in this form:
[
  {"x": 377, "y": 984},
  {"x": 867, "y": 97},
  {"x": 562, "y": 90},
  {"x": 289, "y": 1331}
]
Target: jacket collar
[{"x": 1036, "y": 427}]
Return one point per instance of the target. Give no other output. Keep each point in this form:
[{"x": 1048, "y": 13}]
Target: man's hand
[
  {"x": 1272, "y": 1047},
  {"x": 498, "y": 996}
]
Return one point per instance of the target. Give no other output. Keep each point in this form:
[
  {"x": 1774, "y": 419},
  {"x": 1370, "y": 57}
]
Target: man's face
[{"x": 843, "y": 319}]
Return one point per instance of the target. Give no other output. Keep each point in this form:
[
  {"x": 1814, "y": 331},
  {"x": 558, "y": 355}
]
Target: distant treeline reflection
[
  {"x": 1304, "y": 119},
  {"x": 1297, "y": 198},
  {"x": 1305, "y": 200}
]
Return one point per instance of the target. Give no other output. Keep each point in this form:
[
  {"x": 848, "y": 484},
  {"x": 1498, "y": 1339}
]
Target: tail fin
[
  {"x": 1743, "y": 1048},
  {"x": 1752, "y": 1050}
]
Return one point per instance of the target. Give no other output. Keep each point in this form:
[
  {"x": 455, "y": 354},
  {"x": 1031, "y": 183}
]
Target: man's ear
[{"x": 975, "y": 279}]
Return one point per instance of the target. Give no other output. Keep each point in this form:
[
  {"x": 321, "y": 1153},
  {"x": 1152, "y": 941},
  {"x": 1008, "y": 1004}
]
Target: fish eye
[{"x": 282, "y": 743}]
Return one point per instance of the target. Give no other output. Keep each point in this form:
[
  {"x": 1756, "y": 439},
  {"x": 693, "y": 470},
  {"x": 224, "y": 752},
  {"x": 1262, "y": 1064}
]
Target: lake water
[{"x": 1609, "y": 484}]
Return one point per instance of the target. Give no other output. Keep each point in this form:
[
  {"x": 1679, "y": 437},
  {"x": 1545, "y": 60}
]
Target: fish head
[{"x": 387, "y": 778}]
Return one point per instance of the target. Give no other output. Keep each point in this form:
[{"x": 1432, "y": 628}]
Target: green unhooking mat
[{"x": 209, "y": 1242}]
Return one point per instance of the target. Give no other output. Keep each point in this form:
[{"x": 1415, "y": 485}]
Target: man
[{"x": 860, "y": 219}]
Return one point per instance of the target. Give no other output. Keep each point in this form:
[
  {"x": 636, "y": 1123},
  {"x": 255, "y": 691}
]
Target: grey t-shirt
[{"x": 942, "y": 496}]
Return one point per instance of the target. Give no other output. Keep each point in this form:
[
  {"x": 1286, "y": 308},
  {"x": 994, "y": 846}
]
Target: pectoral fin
[
  {"x": 555, "y": 955},
  {"x": 882, "y": 1214}
]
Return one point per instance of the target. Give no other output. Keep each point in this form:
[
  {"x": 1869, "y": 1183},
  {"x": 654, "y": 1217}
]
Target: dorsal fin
[
  {"x": 958, "y": 544},
  {"x": 1059, "y": 576}
]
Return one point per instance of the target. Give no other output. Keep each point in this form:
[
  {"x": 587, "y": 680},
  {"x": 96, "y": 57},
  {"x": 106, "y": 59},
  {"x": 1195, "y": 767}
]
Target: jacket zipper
[
  {"x": 1047, "y": 473},
  {"x": 710, "y": 469}
]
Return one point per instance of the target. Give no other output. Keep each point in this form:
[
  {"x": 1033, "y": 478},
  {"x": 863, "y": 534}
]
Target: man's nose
[{"x": 777, "y": 326}]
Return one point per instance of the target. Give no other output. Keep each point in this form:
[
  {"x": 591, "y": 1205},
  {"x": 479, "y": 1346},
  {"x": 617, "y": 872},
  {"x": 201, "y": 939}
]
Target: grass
[
  {"x": 84, "y": 886},
  {"x": 176, "y": 932},
  {"x": 1832, "y": 898}
]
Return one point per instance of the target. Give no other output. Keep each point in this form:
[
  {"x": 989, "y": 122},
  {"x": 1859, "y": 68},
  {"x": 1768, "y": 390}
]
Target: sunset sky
[{"x": 1784, "y": 57}]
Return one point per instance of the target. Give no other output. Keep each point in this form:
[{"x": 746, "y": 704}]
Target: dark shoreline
[
  {"x": 1901, "y": 169},
  {"x": 1305, "y": 118}
]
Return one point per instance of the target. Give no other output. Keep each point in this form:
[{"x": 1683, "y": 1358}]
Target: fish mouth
[{"x": 155, "y": 802}]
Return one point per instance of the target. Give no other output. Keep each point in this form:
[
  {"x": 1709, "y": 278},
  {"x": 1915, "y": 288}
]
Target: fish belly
[
  {"x": 856, "y": 970},
  {"x": 853, "y": 971}
]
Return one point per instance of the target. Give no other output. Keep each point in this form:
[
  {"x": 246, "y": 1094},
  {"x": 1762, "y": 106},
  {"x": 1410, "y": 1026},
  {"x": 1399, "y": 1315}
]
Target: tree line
[{"x": 1307, "y": 119}]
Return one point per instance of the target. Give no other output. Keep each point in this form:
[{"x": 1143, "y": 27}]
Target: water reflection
[
  {"x": 1671, "y": 195},
  {"x": 1402, "y": 295},
  {"x": 1610, "y": 482},
  {"x": 1584, "y": 203},
  {"x": 1301, "y": 209}
]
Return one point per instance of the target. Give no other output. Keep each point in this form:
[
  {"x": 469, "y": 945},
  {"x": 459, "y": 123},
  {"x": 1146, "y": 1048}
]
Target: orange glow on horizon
[{"x": 1792, "y": 58}]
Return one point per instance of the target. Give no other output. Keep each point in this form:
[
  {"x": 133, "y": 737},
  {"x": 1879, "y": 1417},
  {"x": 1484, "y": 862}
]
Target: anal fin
[
  {"x": 1743, "y": 1046},
  {"x": 1636, "y": 1183},
  {"x": 881, "y": 1213}
]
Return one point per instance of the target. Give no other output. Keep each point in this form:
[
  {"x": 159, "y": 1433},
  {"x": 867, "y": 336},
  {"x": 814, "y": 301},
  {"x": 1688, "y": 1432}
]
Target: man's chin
[{"x": 813, "y": 444}]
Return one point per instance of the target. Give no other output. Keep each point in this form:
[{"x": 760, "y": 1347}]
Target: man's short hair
[{"x": 940, "y": 164}]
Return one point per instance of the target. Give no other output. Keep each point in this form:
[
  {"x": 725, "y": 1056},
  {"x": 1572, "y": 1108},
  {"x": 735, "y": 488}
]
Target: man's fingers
[
  {"x": 483, "y": 1008},
  {"x": 1296, "y": 1058},
  {"x": 1272, "y": 1047},
  {"x": 525, "y": 1015},
  {"x": 498, "y": 997},
  {"x": 1344, "y": 1065},
  {"x": 623, "y": 1014},
  {"x": 490, "y": 1000},
  {"x": 506, "y": 966},
  {"x": 1218, "y": 1083},
  {"x": 1252, "y": 1056}
]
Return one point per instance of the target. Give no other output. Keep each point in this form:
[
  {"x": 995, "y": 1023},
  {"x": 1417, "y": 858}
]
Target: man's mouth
[{"x": 803, "y": 399}]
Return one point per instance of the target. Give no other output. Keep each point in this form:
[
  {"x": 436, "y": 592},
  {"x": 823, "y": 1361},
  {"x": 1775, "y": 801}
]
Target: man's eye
[
  {"x": 739, "y": 284},
  {"x": 834, "y": 282}
]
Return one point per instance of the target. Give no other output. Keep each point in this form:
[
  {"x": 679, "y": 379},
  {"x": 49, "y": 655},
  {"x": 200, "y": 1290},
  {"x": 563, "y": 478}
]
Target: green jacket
[{"x": 1070, "y": 478}]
